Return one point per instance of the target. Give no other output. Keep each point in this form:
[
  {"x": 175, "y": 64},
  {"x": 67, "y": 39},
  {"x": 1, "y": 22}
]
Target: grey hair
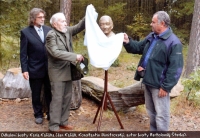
[
  {"x": 163, "y": 16},
  {"x": 55, "y": 17},
  {"x": 110, "y": 19},
  {"x": 32, "y": 15}
]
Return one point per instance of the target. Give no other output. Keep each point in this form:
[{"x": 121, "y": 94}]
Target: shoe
[
  {"x": 67, "y": 127},
  {"x": 38, "y": 120}
]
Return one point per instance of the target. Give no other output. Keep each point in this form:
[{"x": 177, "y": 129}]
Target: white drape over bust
[{"x": 102, "y": 50}]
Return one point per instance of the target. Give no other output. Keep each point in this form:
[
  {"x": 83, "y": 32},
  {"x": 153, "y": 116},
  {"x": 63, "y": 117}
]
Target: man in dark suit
[
  {"x": 33, "y": 58},
  {"x": 60, "y": 55}
]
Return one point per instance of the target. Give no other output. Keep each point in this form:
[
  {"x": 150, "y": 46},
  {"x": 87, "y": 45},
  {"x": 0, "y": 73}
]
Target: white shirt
[
  {"x": 102, "y": 50},
  {"x": 37, "y": 30}
]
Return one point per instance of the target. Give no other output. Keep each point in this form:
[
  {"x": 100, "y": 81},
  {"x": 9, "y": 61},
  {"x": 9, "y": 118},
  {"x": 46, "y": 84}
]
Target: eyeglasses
[{"x": 40, "y": 17}]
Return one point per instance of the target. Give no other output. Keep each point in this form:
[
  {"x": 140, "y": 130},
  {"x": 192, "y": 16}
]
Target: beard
[{"x": 64, "y": 30}]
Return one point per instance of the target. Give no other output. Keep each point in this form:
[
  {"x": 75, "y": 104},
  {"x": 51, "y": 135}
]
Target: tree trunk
[
  {"x": 65, "y": 7},
  {"x": 122, "y": 98},
  {"x": 193, "y": 57}
]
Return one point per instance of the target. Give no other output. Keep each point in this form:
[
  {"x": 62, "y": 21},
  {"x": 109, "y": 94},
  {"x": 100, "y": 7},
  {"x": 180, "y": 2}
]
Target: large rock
[
  {"x": 176, "y": 90},
  {"x": 122, "y": 98},
  {"x": 13, "y": 85}
]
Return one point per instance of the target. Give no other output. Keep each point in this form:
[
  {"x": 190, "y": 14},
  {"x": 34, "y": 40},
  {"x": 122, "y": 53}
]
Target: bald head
[{"x": 106, "y": 25}]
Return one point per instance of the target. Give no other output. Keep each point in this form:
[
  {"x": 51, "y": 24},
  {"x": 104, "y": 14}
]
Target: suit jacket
[
  {"x": 33, "y": 55},
  {"x": 60, "y": 52}
]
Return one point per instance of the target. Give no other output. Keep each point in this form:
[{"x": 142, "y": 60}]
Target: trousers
[
  {"x": 60, "y": 104},
  {"x": 158, "y": 109},
  {"x": 36, "y": 88}
]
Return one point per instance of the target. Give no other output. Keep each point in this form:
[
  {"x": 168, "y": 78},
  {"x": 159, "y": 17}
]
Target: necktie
[{"x": 40, "y": 32}]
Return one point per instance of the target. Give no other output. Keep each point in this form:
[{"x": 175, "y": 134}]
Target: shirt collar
[
  {"x": 155, "y": 36},
  {"x": 36, "y": 28}
]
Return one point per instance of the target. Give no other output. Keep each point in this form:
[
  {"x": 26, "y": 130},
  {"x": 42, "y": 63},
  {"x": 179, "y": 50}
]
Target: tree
[
  {"x": 65, "y": 7},
  {"x": 193, "y": 57}
]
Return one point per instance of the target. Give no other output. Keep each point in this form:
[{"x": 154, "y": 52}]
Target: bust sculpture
[{"x": 106, "y": 25}]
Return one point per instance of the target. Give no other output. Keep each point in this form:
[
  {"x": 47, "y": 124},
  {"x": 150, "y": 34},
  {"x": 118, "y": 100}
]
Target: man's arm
[
  {"x": 57, "y": 52},
  {"x": 134, "y": 47},
  {"x": 78, "y": 27},
  {"x": 174, "y": 69},
  {"x": 23, "y": 55}
]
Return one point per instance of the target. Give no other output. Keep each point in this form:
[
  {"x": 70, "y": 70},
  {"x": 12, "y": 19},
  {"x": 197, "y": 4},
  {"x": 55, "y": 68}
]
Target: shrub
[{"x": 192, "y": 87}]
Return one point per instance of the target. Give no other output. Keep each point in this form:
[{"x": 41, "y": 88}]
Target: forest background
[{"x": 130, "y": 16}]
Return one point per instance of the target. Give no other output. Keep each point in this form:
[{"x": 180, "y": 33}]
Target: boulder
[{"x": 13, "y": 86}]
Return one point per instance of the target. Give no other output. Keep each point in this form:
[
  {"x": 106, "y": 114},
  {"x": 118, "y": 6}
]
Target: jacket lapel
[
  {"x": 61, "y": 38},
  {"x": 68, "y": 46},
  {"x": 33, "y": 31}
]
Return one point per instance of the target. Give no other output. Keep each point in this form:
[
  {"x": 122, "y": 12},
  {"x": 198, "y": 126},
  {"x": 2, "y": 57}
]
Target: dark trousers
[{"x": 36, "y": 88}]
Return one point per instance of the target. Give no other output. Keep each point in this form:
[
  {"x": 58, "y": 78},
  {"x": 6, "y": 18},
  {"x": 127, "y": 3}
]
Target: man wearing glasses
[{"x": 33, "y": 58}]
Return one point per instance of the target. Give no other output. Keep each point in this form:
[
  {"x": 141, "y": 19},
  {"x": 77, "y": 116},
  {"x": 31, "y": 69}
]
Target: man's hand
[
  {"x": 79, "y": 58},
  {"x": 162, "y": 93},
  {"x": 26, "y": 75},
  {"x": 126, "y": 39},
  {"x": 140, "y": 68}
]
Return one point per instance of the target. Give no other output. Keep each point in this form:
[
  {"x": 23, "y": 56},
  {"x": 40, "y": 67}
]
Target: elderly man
[
  {"x": 33, "y": 58},
  {"x": 60, "y": 55},
  {"x": 160, "y": 67},
  {"x": 106, "y": 25}
]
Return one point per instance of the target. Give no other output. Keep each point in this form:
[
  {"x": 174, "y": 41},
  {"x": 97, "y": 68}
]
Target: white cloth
[{"x": 102, "y": 50}]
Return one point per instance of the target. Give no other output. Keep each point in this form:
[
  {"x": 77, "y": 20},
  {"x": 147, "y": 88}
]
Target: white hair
[{"x": 55, "y": 17}]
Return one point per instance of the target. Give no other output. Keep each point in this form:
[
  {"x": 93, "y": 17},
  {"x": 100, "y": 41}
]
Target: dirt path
[{"x": 19, "y": 117}]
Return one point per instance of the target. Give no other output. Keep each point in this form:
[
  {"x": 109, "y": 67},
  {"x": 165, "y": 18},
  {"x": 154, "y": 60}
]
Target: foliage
[
  {"x": 192, "y": 87},
  {"x": 116, "y": 12},
  {"x": 139, "y": 27},
  {"x": 182, "y": 33},
  {"x": 9, "y": 52},
  {"x": 181, "y": 16},
  {"x": 181, "y": 9},
  {"x": 13, "y": 18},
  {"x": 132, "y": 67},
  {"x": 128, "y": 16}
]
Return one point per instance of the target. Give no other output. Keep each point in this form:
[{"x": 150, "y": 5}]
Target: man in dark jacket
[
  {"x": 160, "y": 67},
  {"x": 33, "y": 58}
]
